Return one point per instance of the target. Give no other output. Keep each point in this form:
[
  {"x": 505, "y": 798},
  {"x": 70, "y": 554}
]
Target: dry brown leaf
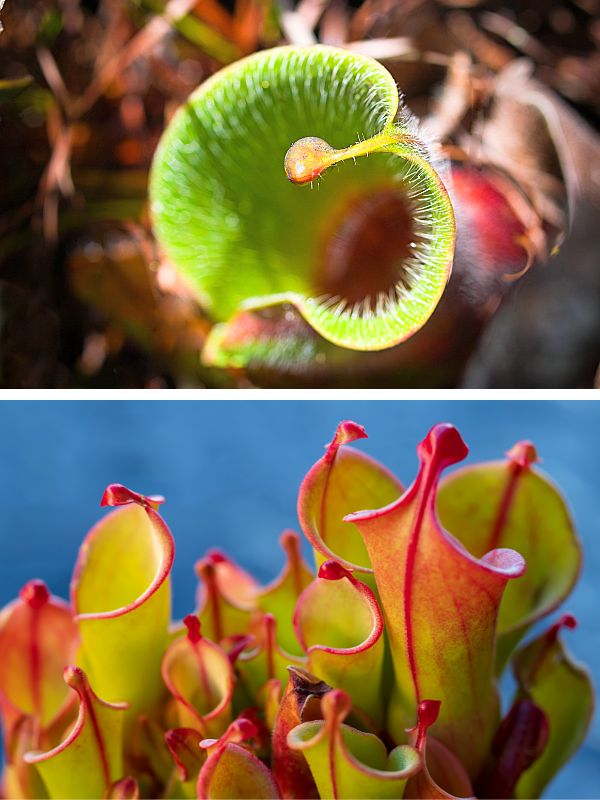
[{"x": 537, "y": 138}]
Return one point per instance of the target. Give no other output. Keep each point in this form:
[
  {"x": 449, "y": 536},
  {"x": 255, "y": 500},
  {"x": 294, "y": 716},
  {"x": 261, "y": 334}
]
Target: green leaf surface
[
  {"x": 20, "y": 779},
  {"x": 264, "y": 660},
  {"x": 279, "y": 597},
  {"x": 340, "y": 627},
  {"x": 233, "y": 771},
  {"x": 147, "y": 747},
  {"x": 121, "y": 597},
  {"x": 440, "y": 605},
  {"x": 246, "y": 238},
  {"x": 442, "y": 776},
  {"x": 124, "y": 789},
  {"x": 512, "y": 504},
  {"x": 274, "y": 338},
  {"x": 226, "y": 597},
  {"x": 90, "y": 759},
  {"x": 339, "y": 483},
  {"x": 347, "y": 763},
  {"x": 184, "y": 746},
  {"x": 199, "y": 676},
  {"x": 547, "y": 674}
]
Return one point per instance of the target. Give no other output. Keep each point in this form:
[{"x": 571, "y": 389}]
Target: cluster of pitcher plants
[{"x": 376, "y": 677}]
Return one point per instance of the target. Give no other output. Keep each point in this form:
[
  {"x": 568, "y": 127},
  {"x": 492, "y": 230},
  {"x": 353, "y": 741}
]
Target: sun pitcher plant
[
  {"x": 229, "y": 211},
  {"x": 376, "y": 677}
]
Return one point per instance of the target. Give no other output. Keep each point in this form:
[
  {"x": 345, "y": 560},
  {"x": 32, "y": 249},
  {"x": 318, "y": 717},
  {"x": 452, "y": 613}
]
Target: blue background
[{"x": 230, "y": 471}]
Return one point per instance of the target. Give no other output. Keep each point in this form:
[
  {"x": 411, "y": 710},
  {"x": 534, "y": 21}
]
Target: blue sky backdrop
[{"x": 230, "y": 471}]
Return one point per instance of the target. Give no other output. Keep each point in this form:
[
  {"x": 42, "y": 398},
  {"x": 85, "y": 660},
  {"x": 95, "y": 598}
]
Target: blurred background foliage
[{"x": 86, "y": 88}]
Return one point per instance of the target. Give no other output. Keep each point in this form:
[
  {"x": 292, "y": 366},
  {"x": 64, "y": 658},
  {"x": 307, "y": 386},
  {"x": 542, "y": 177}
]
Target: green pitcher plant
[
  {"x": 265, "y": 190},
  {"x": 375, "y": 676}
]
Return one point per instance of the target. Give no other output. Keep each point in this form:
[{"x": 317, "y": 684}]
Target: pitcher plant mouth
[
  {"x": 374, "y": 246},
  {"x": 370, "y": 250},
  {"x": 365, "y": 256}
]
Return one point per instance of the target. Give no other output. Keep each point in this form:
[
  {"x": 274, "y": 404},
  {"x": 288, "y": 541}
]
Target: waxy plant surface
[{"x": 373, "y": 678}]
